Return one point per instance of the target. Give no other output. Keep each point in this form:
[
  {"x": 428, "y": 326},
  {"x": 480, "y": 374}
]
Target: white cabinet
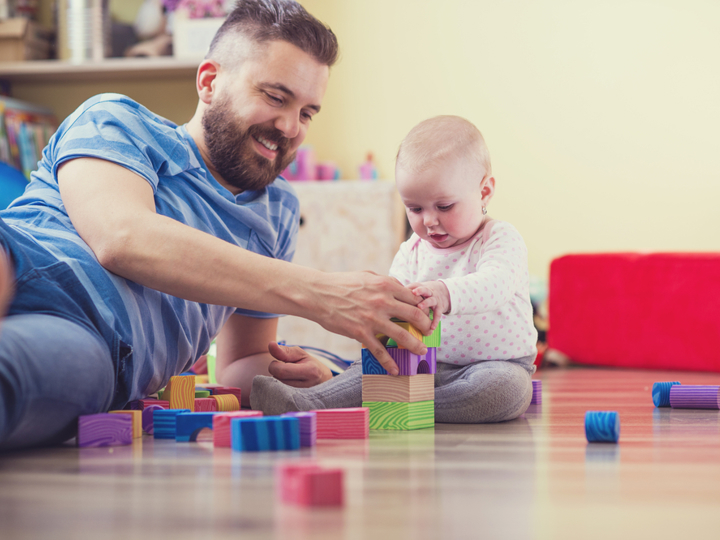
[{"x": 347, "y": 225}]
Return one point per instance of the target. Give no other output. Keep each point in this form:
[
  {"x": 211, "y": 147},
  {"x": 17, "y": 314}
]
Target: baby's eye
[
  {"x": 415, "y": 210},
  {"x": 445, "y": 208}
]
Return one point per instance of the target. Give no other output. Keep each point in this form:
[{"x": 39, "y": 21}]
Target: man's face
[{"x": 259, "y": 116}]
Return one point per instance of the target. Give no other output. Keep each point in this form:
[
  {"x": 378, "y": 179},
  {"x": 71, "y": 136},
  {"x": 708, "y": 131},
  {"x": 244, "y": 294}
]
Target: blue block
[
  {"x": 165, "y": 422},
  {"x": 370, "y": 365},
  {"x": 190, "y": 424},
  {"x": 661, "y": 393},
  {"x": 602, "y": 426},
  {"x": 264, "y": 433}
]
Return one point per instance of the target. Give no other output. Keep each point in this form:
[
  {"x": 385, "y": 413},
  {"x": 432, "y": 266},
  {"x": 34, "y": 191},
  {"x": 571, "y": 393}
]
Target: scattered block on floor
[
  {"x": 140, "y": 404},
  {"x": 202, "y": 393},
  {"x": 401, "y": 416},
  {"x": 536, "y": 392},
  {"x": 221, "y": 425},
  {"x": 661, "y": 393},
  {"x": 351, "y": 423},
  {"x": 165, "y": 422},
  {"x": 226, "y": 402},
  {"x": 265, "y": 433},
  {"x": 310, "y": 485},
  {"x": 104, "y": 429},
  {"x": 180, "y": 392},
  {"x": 689, "y": 396},
  {"x": 136, "y": 422},
  {"x": 147, "y": 417},
  {"x": 206, "y": 404},
  {"x": 408, "y": 363},
  {"x": 308, "y": 426},
  {"x": 403, "y": 388},
  {"x": 222, "y": 390},
  {"x": 602, "y": 426},
  {"x": 190, "y": 424}
]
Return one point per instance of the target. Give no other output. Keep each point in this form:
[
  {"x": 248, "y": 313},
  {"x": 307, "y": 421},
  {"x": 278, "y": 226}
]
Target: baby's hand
[{"x": 435, "y": 296}]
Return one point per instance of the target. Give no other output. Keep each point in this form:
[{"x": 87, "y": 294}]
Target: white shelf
[{"x": 109, "y": 69}]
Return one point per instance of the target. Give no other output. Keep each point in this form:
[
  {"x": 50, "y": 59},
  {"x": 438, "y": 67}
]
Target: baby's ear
[{"x": 487, "y": 188}]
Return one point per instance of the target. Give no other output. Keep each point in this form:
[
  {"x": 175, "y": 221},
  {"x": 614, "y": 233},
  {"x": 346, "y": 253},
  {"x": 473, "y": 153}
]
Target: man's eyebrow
[{"x": 285, "y": 90}]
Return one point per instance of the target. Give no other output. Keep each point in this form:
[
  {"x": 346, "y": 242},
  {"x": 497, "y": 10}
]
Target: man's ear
[
  {"x": 487, "y": 189},
  {"x": 206, "y": 80}
]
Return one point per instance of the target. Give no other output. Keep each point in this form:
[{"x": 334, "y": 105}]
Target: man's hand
[
  {"x": 295, "y": 367},
  {"x": 435, "y": 296},
  {"x": 360, "y": 305}
]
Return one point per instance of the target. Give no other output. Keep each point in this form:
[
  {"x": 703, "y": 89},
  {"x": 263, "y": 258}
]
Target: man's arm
[{"x": 113, "y": 210}]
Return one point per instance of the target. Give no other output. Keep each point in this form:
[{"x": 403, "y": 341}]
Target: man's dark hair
[{"x": 280, "y": 20}]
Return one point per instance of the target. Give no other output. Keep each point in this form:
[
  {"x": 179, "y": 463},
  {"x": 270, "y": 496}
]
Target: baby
[{"x": 469, "y": 269}]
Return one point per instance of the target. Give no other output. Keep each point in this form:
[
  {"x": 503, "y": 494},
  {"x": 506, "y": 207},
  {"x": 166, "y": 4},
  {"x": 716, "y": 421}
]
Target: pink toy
[
  {"x": 303, "y": 167},
  {"x": 221, "y": 426},
  {"x": 351, "y": 423},
  {"x": 367, "y": 170},
  {"x": 308, "y": 484},
  {"x": 327, "y": 170}
]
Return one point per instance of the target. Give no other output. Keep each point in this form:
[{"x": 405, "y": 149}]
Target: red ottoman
[{"x": 659, "y": 310}]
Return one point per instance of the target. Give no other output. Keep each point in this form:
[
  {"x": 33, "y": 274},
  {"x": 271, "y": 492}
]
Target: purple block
[
  {"x": 686, "y": 396},
  {"x": 537, "y": 393},
  {"x": 413, "y": 364},
  {"x": 308, "y": 427},
  {"x": 147, "y": 418},
  {"x": 104, "y": 430}
]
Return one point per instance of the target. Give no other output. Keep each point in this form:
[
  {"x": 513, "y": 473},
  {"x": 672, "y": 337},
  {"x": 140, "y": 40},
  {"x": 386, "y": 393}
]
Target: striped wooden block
[
  {"x": 221, "y": 426},
  {"x": 189, "y": 425},
  {"x": 147, "y": 418},
  {"x": 408, "y": 363},
  {"x": 401, "y": 416},
  {"x": 689, "y": 396},
  {"x": 140, "y": 404},
  {"x": 180, "y": 392},
  {"x": 226, "y": 402},
  {"x": 222, "y": 390},
  {"x": 308, "y": 427},
  {"x": 433, "y": 340},
  {"x": 402, "y": 388},
  {"x": 351, "y": 423},
  {"x": 104, "y": 430},
  {"x": 308, "y": 484},
  {"x": 206, "y": 404},
  {"x": 264, "y": 433},
  {"x": 201, "y": 393},
  {"x": 136, "y": 422},
  {"x": 165, "y": 422}
]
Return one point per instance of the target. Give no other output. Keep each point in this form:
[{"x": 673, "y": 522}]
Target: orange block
[
  {"x": 180, "y": 392},
  {"x": 136, "y": 422}
]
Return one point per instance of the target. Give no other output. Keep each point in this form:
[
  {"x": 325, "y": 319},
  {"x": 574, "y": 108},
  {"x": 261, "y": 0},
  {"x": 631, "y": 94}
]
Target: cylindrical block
[
  {"x": 661, "y": 393},
  {"x": 536, "y": 393},
  {"x": 602, "y": 426},
  {"x": 147, "y": 417},
  {"x": 686, "y": 396}
]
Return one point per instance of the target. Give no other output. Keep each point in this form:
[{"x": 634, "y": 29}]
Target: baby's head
[{"x": 444, "y": 178}]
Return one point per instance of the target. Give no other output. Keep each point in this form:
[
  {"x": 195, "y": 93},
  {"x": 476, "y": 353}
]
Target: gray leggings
[{"x": 490, "y": 391}]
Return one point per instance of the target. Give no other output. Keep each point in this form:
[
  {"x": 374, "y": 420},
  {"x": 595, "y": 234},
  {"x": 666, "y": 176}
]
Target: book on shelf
[{"x": 25, "y": 130}]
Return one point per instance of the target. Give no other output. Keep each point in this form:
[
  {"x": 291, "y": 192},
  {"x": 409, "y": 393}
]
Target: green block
[
  {"x": 402, "y": 416},
  {"x": 433, "y": 340},
  {"x": 202, "y": 393}
]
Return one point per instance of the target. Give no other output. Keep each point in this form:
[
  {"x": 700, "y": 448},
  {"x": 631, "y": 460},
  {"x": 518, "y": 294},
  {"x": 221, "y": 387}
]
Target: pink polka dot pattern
[{"x": 488, "y": 284}]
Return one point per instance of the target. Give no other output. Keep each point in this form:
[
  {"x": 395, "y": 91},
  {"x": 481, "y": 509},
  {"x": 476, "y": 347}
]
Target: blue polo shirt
[{"x": 152, "y": 335}]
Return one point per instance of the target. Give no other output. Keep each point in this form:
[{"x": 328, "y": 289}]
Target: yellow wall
[{"x": 602, "y": 118}]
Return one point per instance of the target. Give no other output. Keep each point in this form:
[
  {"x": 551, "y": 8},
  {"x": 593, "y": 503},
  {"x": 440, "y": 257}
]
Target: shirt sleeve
[
  {"x": 400, "y": 267},
  {"x": 497, "y": 276}
]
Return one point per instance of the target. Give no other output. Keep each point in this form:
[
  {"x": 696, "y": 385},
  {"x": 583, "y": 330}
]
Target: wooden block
[
  {"x": 190, "y": 424},
  {"x": 308, "y": 427},
  {"x": 222, "y": 390},
  {"x": 104, "y": 430},
  {"x": 351, "y": 423},
  {"x": 433, "y": 340},
  {"x": 402, "y": 388},
  {"x": 206, "y": 404},
  {"x": 401, "y": 416},
  {"x": 136, "y": 422},
  {"x": 140, "y": 404},
  {"x": 201, "y": 393},
  {"x": 165, "y": 422},
  {"x": 226, "y": 402},
  {"x": 180, "y": 392},
  {"x": 147, "y": 417},
  {"x": 221, "y": 425},
  {"x": 407, "y": 362},
  {"x": 310, "y": 485},
  {"x": 264, "y": 433}
]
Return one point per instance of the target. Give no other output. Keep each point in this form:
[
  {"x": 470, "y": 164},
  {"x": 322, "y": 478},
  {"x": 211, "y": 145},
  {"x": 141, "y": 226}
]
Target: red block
[
  {"x": 221, "y": 426},
  {"x": 227, "y": 390},
  {"x": 658, "y": 311},
  {"x": 308, "y": 484},
  {"x": 205, "y": 404},
  {"x": 140, "y": 404},
  {"x": 351, "y": 423}
]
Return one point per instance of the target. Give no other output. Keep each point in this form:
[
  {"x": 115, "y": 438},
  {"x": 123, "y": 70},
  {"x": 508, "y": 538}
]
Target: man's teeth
[{"x": 267, "y": 144}]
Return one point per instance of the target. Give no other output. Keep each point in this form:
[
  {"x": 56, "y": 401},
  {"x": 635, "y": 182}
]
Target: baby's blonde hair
[{"x": 440, "y": 138}]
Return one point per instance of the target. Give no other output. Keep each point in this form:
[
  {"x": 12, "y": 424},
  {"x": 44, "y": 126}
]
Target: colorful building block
[
  {"x": 433, "y": 340},
  {"x": 136, "y": 422},
  {"x": 180, "y": 392},
  {"x": 536, "y": 392},
  {"x": 351, "y": 423},
  {"x": 602, "y": 426},
  {"x": 201, "y": 393},
  {"x": 308, "y": 427},
  {"x": 165, "y": 422},
  {"x": 221, "y": 425},
  {"x": 226, "y": 402},
  {"x": 401, "y": 416},
  {"x": 403, "y": 388},
  {"x": 190, "y": 424},
  {"x": 222, "y": 390},
  {"x": 104, "y": 429},
  {"x": 661, "y": 393},
  {"x": 310, "y": 485},
  {"x": 140, "y": 404},
  {"x": 688, "y": 396},
  {"x": 408, "y": 363},
  {"x": 147, "y": 417},
  {"x": 206, "y": 404},
  {"x": 265, "y": 433}
]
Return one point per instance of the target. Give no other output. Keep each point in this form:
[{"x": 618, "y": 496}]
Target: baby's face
[{"x": 444, "y": 202}]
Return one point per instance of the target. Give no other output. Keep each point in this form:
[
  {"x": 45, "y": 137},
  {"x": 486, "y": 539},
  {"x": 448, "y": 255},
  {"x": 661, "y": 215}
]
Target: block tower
[{"x": 405, "y": 401}]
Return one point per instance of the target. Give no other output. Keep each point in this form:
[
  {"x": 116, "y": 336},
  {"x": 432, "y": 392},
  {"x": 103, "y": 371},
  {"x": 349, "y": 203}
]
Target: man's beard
[{"x": 231, "y": 152}]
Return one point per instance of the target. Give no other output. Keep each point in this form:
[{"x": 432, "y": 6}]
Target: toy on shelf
[
  {"x": 104, "y": 429},
  {"x": 368, "y": 170},
  {"x": 303, "y": 167}
]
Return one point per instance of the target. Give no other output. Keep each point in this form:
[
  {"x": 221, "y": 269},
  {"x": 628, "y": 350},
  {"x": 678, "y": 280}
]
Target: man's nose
[{"x": 289, "y": 124}]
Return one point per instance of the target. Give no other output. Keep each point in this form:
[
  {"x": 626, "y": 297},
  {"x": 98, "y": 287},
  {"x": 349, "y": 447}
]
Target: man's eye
[
  {"x": 307, "y": 116},
  {"x": 274, "y": 99}
]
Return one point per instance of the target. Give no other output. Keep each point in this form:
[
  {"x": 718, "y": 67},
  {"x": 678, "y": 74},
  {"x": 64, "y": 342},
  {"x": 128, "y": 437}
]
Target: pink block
[
  {"x": 228, "y": 390},
  {"x": 308, "y": 484},
  {"x": 351, "y": 423},
  {"x": 221, "y": 426},
  {"x": 140, "y": 404},
  {"x": 205, "y": 405}
]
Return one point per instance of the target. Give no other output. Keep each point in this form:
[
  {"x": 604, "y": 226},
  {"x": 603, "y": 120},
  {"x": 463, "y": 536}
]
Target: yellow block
[
  {"x": 136, "y": 422},
  {"x": 226, "y": 402},
  {"x": 180, "y": 392},
  {"x": 407, "y": 326}
]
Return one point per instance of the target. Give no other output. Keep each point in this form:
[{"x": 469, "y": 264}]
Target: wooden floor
[{"x": 532, "y": 478}]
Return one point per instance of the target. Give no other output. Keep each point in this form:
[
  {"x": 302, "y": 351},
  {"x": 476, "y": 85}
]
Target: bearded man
[{"x": 138, "y": 241}]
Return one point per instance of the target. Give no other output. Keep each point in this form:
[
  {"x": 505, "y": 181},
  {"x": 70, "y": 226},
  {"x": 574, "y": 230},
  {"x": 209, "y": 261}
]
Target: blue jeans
[{"x": 51, "y": 371}]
